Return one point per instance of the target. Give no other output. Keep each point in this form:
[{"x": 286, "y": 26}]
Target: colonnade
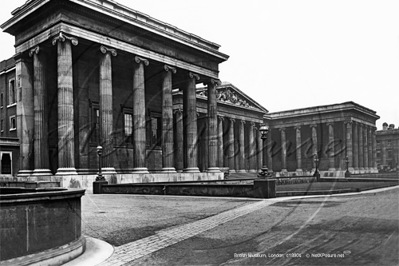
[{"x": 172, "y": 153}]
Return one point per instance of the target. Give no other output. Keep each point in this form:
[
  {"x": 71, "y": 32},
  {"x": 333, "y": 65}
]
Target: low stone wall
[
  {"x": 259, "y": 189},
  {"x": 40, "y": 226},
  {"x": 294, "y": 180}
]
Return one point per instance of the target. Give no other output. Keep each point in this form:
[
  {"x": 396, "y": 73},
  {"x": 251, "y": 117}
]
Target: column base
[
  {"x": 108, "y": 171},
  {"x": 242, "y": 171},
  {"x": 213, "y": 170},
  {"x": 42, "y": 172},
  {"x": 66, "y": 171},
  {"x": 140, "y": 170},
  {"x": 191, "y": 170},
  {"x": 332, "y": 169},
  {"x": 24, "y": 173},
  {"x": 168, "y": 170},
  {"x": 232, "y": 171},
  {"x": 252, "y": 171}
]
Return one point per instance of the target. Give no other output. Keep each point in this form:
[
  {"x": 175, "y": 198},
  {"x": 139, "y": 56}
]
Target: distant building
[{"x": 388, "y": 148}]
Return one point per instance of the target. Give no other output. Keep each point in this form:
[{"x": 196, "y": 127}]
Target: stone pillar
[
  {"x": 191, "y": 134},
  {"x": 314, "y": 139},
  {"x": 349, "y": 146},
  {"x": 25, "y": 114},
  {"x": 66, "y": 134},
  {"x": 106, "y": 110},
  {"x": 167, "y": 120},
  {"x": 41, "y": 158},
  {"x": 241, "y": 149},
  {"x": 283, "y": 151},
  {"x": 361, "y": 149},
  {"x": 384, "y": 153},
  {"x": 212, "y": 127},
  {"x": 365, "y": 149},
  {"x": 139, "y": 130},
  {"x": 331, "y": 153},
  {"x": 370, "y": 149},
  {"x": 231, "y": 150},
  {"x": 355, "y": 147},
  {"x": 298, "y": 145},
  {"x": 269, "y": 151},
  {"x": 374, "y": 164},
  {"x": 179, "y": 141},
  {"x": 220, "y": 142},
  {"x": 260, "y": 149},
  {"x": 252, "y": 148}
]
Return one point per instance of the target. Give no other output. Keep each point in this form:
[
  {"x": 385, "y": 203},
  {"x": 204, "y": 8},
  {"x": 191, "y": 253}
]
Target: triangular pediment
[{"x": 228, "y": 94}]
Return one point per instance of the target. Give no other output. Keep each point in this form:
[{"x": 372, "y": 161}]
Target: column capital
[
  {"x": 221, "y": 117},
  {"x": 193, "y": 75},
  {"x": 231, "y": 119},
  {"x": 297, "y": 127},
  {"x": 178, "y": 111},
  {"x": 62, "y": 38},
  {"x": 313, "y": 126},
  {"x": 34, "y": 50},
  {"x": 330, "y": 123},
  {"x": 139, "y": 60},
  {"x": 105, "y": 50},
  {"x": 349, "y": 122},
  {"x": 252, "y": 123},
  {"x": 215, "y": 82},
  {"x": 282, "y": 129},
  {"x": 243, "y": 122},
  {"x": 170, "y": 68}
]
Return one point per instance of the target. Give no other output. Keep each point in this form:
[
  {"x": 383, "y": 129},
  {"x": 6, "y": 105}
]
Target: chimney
[{"x": 385, "y": 126}]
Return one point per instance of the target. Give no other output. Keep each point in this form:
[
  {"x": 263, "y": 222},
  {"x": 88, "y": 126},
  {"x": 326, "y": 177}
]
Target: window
[
  {"x": 13, "y": 123},
  {"x": 95, "y": 123},
  {"x": 389, "y": 144},
  {"x": 6, "y": 163},
  {"x": 11, "y": 92},
  {"x": 128, "y": 127}
]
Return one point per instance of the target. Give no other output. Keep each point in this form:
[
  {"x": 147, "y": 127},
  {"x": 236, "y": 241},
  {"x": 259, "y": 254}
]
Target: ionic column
[
  {"x": 366, "y": 149},
  {"x": 190, "y": 112},
  {"x": 25, "y": 115},
  {"x": 106, "y": 112},
  {"x": 283, "y": 150},
  {"x": 167, "y": 120},
  {"x": 139, "y": 133},
  {"x": 220, "y": 142},
  {"x": 231, "y": 150},
  {"x": 349, "y": 146},
  {"x": 370, "y": 149},
  {"x": 241, "y": 159},
  {"x": 374, "y": 140},
  {"x": 179, "y": 152},
  {"x": 252, "y": 148},
  {"x": 314, "y": 143},
  {"x": 361, "y": 149},
  {"x": 298, "y": 140},
  {"x": 355, "y": 147},
  {"x": 331, "y": 154},
  {"x": 66, "y": 135},
  {"x": 41, "y": 157},
  {"x": 212, "y": 128},
  {"x": 260, "y": 149},
  {"x": 269, "y": 148},
  {"x": 384, "y": 153}
]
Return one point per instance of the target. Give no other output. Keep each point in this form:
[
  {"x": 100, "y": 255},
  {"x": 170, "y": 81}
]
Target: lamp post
[
  {"x": 264, "y": 130},
  {"x": 347, "y": 173},
  {"x": 316, "y": 172},
  {"x": 99, "y": 153}
]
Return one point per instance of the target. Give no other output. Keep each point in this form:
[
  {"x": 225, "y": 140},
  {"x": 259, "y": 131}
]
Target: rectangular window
[
  {"x": 128, "y": 127},
  {"x": 13, "y": 123},
  {"x": 11, "y": 92},
  {"x": 95, "y": 123},
  {"x": 389, "y": 144},
  {"x": 6, "y": 163}
]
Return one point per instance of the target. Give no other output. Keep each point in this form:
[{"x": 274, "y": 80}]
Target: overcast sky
[{"x": 290, "y": 54}]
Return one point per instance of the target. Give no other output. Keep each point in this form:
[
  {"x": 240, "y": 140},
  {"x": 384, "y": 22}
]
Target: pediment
[{"x": 229, "y": 94}]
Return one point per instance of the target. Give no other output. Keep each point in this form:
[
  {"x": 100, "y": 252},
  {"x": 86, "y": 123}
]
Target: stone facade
[
  {"x": 333, "y": 132},
  {"x": 387, "y": 148}
]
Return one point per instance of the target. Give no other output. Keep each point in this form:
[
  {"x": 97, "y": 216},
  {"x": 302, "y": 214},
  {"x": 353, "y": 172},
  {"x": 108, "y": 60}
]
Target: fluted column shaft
[
  {"x": 220, "y": 142},
  {"x": 365, "y": 149},
  {"x": 370, "y": 149},
  {"x": 356, "y": 147},
  {"x": 298, "y": 139},
  {"x": 66, "y": 135},
  {"x": 179, "y": 141},
  {"x": 106, "y": 112},
  {"x": 190, "y": 112},
  {"x": 42, "y": 163},
  {"x": 349, "y": 144},
  {"x": 241, "y": 136},
  {"x": 361, "y": 149},
  {"x": 283, "y": 150},
  {"x": 260, "y": 149},
  {"x": 374, "y": 140},
  {"x": 139, "y": 133},
  {"x": 25, "y": 115},
  {"x": 252, "y": 148},
  {"x": 331, "y": 153},
  {"x": 167, "y": 120},
  {"x": 212, "y": 128},
  {"x": 268, "y": 151},
  {"x": 231, "y": 150}
]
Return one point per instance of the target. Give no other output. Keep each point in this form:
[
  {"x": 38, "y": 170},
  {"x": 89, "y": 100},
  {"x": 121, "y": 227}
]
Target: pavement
[{"x": 129, "y": 229}]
